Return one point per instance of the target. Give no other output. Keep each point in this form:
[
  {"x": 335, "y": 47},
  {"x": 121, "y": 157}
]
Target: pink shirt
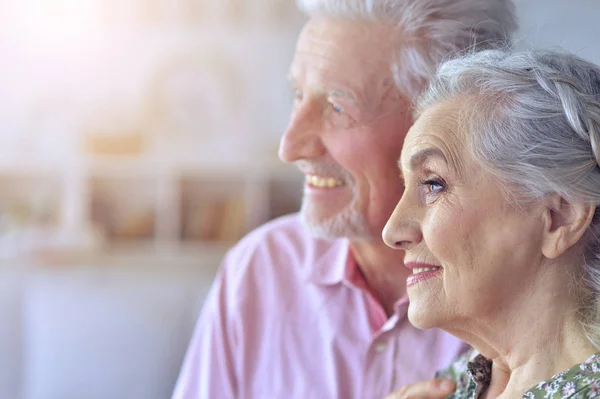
[{"x": 289, "y": 317}]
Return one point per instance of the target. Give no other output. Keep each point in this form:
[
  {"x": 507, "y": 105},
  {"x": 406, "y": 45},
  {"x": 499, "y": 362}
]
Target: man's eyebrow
[
  {"x": 342, "y": 94},
  {"x": 335, "y": 93}
]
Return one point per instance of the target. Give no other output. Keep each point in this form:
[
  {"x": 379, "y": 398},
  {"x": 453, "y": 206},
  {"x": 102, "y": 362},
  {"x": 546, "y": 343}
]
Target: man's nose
[{"x": 303, "y": 137}]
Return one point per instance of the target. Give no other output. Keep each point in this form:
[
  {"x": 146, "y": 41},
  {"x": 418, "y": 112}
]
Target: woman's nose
[
  {"x": 402, "y": 230},
  {"x": 303, "y": 136}
]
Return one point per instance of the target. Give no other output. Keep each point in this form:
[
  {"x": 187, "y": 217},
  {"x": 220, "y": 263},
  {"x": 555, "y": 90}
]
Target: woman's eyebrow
[{"x": 421, "y": 156}]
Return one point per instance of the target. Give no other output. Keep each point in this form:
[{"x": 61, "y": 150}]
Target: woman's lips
[
  {"x": 416, "y": 278},
  {"x": 421, "y": 272}
]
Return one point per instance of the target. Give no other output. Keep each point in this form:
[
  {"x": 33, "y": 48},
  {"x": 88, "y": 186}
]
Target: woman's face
[{"x": 472, "y": 253}]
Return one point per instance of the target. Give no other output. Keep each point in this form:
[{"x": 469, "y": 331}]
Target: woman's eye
[{"x": 433, "y": 186}]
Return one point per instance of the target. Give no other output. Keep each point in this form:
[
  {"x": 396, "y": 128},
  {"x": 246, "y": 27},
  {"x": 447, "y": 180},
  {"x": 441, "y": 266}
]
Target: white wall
[
  {"x": 108, "y": 328},
  {"x": 574, "y": 25}
]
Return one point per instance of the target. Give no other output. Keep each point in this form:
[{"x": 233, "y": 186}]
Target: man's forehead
[
  {"x": 342, "y": 55},
  {"x": 345, "y": 43}
]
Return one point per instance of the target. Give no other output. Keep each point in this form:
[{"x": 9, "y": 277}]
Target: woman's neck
[
  {"x": 532, "y": 361},
  {"x": 532, "y": 337}
]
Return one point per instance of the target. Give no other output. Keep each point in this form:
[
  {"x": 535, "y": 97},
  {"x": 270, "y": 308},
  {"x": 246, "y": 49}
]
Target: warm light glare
[{"x": 55, "y": 23}]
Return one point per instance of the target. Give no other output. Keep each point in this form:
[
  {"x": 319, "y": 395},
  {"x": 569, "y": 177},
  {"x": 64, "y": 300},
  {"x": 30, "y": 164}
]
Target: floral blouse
[{"x": 472, "y": 373}]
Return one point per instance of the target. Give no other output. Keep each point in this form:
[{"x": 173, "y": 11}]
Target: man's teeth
[
  {"x": 417, "y": 270},
  {"x": 323, "y": 182}
]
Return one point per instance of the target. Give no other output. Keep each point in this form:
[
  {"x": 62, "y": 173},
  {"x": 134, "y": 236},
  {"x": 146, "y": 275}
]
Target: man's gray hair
[
  {"x": 533, "y": 121},
  {"x": 429, "y": 31}
]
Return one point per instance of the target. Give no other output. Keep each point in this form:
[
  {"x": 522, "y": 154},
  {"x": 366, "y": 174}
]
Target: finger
[{"x": 432, "y": 389}]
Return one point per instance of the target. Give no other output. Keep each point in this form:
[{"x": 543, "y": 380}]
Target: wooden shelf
[{"x": 160, "y": 206}]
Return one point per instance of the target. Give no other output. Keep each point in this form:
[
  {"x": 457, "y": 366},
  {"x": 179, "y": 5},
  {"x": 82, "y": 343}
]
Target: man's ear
[{"x": 565, "y": 223}]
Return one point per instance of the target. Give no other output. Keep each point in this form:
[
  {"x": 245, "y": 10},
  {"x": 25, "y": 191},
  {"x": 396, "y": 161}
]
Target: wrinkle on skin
[
  {"x": 371, "y": 129},
  {"x": 497, "y": 290},
  {"x": 451, "y": 149},
  {"x": 347, "y": 65},
  {"x": 319, "y": 50},
  {"x": 366, "y": 81}
]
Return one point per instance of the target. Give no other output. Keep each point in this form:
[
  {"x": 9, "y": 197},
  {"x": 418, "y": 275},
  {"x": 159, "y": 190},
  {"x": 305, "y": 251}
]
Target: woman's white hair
[
  {"x": 429, "y": 31},
  {"x": 533, "y": 121}
]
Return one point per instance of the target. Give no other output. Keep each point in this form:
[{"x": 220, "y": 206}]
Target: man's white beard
[{"x": 349, "y": 223}]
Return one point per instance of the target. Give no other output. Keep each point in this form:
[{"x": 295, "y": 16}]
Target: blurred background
[{"x": 138, "y": 141}]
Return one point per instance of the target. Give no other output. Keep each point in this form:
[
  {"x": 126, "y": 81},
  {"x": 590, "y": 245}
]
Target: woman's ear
[{"x": 565, "y": 223}]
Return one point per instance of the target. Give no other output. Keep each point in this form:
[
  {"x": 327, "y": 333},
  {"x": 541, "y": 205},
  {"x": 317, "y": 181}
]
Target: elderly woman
[{"x": 501, "y": 225}]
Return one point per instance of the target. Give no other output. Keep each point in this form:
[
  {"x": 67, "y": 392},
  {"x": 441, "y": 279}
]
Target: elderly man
[{"x": 313, "y": 305}]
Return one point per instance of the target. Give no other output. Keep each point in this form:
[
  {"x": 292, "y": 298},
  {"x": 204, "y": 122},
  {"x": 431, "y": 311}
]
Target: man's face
[{"x": 347, "y": 127}]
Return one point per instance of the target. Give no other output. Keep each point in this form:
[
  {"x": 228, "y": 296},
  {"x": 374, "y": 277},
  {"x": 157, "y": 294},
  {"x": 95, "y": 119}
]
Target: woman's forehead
[{"x": 438, "y": 126}]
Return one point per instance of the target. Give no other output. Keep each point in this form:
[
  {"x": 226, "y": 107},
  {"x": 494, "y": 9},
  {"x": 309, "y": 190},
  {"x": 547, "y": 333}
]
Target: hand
[{"x": 432, "y": 389}]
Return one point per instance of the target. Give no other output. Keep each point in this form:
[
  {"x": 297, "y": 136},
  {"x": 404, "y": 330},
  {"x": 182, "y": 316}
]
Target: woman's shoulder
[
  {"x": 579, "y": 382},
  {"x": 471, "y": 372}
]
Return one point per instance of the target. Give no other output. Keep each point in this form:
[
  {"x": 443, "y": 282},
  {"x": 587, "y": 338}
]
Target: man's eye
[
  {"x": 298, "y": 95},
  {"x": 336, "y": 107}
]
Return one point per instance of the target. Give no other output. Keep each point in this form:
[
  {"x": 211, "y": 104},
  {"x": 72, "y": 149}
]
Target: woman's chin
[{"x": 423, "y": 319}]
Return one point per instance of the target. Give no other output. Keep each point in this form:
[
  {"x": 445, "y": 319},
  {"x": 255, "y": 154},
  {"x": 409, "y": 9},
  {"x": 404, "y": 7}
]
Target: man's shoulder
[
  {"x": 285, "y": 236},
  {"x": 284, "y": 228},
  {"x": 282, "y": 247}
]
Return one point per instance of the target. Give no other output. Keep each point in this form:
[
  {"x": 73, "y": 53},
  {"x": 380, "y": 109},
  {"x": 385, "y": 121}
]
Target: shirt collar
[
  {"x": 331, "y": 266},
  {"x": 336, "y": 265}
]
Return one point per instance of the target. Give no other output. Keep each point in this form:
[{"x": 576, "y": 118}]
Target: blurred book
[{"x": 214, "y": 219}]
